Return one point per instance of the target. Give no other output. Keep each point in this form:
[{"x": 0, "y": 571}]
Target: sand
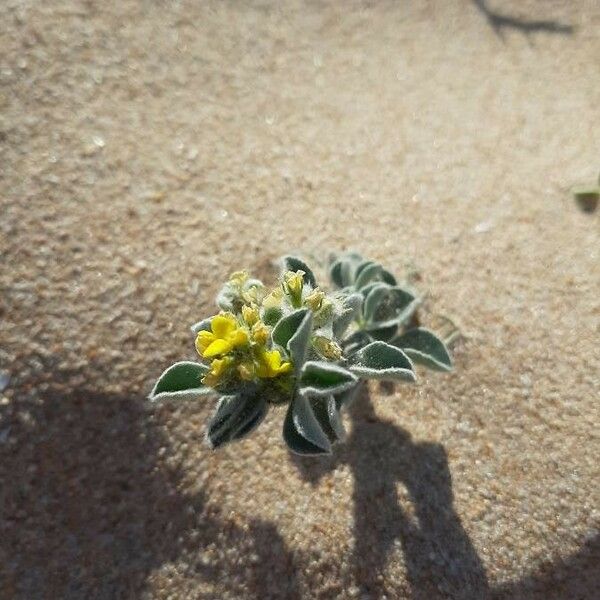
[{"x": 147, "y": 149}]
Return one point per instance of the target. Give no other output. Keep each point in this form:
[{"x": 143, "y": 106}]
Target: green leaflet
[
  {"x": 287, "y": 326},
  {"x": 324, "y": 378},
  {"x": 293, "y": 333},
  {"x": 272, "y": 315},
  {"x": 299, "y": 342},
  {"x": 328, "y": 416},
  {"x": 425, "y": 348},
  {"x": 346, "y": 398},
  {"x": 379, "y": 360},
  {"x": 236, "y": 417},
  {"x": 301, "y": 430},
  {"x": 351, "y": 312},
  {"x": 387, "y": 305},
  {"x": 182, "y": 381}
]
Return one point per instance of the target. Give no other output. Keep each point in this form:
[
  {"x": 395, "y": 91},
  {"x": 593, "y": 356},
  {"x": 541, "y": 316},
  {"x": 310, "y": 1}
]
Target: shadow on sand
[
  {"x": 500, "y": 22},
  {"x": 88, "y": 511},
  {"x": 439, "y": 557}
]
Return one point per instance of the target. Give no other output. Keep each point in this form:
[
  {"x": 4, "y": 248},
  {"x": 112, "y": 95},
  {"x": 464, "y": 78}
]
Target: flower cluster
[{"x": 301, "y": 345}]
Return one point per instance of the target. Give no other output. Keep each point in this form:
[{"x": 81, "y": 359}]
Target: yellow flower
[
  {"x": 292, "y": 285},
  {"x": 260, "y": 333},
  {"x": 315, "y": 300},
  {"x": 255, "y": 294},
  {"x": 239, "y": 278},
  {"x": 273, "y": 300},
  {"x": 327, "y": 348},
  {"x": 269, "y": 364},
  {"x": 218, "y": 368},
  {"x": 225, "y": 335},
  {"x": 250, "y": 315}
]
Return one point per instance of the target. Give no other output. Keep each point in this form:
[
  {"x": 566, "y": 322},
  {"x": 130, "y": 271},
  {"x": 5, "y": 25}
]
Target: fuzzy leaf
[
  {"x": 236, "y": 417},
  {"x": 328, "y": 416},
  {"x": 385, "y": 334},
  {"x": 203, "y": 325},
  {"x": 292, "y": 263},
  {"x": 301, "y": 430},
  {"x": 346, "y": 398},
  {"x": 387, "y": 305},
  {"x": 424, "y": 347},
  {"x": 299, "y": 342},
  {"x": 335, "y": 273},
  {"x": 352, "y": 310},
  {"x": 366, "y": 290},
  {"x": 379, "y": 360},
  {"x": 361, "y": 267},
  {"x": 287, "y": 326},
  {"x": 347, "y": 272},
  {"x": 272, "y": 315},
  {"x": 355, "y": 342},
  {"x": 387, "y": 277},
  {"x": 368, "y": 274},
  {"x": 181, "y": 380},
  {"x": 324, "y": 378}
]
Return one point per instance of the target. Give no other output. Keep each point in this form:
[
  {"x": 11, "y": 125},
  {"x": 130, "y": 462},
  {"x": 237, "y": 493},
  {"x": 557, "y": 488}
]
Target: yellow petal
[
  {"x": 284, "y": 368},
  {"x": 260, "y": 333},
  {"x": 238, "y": 338},
  {"x": 203, "y": 340},
  {"x": 217, "y": 347},
  {"x": 250, "y": 315},
  {"x": 221, "y": 325},
  {"x": 273, "y": 359}
]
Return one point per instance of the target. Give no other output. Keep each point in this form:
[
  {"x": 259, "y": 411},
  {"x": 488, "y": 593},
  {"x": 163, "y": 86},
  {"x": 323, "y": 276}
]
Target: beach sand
[{"x": 148, "y": 149}]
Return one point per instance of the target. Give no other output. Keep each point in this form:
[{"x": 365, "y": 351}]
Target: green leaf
[
  {"x": 236, "y": 417},
  {"x": 352, "y": 311},
  {"x": 388, "y": 305},
  {"x": 361, "y": 267},
  {"x": 347, "y": 272},
  {"x": 287, "y": 326},
  {"x": 292, "y": 263},
  {"x": 328, "y": 416},
  {"x": 379, "y": 360},
  {"x": 320, "y": 378},
  {"x": 368, "y": 274},
  {"x": 425, "y": 348},
  {"x": 335, "y": 273},
  {"x": 385, "y": 334},
  {"x": 355, "y": 342},
  {"x": 203, "y": 325},
  {"x": 181, "y": 380},
  {"x": 366, "y": 290},
  {"x": 301, "y": 430},
  {"x": 272, "y": 315},
  {"x": 387, "y": 277},
  {"x": 299, "y": 342},
  {"x": 344, "y": 399}
]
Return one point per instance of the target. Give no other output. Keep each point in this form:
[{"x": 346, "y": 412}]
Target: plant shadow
[
  {"x": 90, "y": 507},
  {"x": 500, "y": 22},
  {"x": 439, "y": 557},
  {"x": 576, "y": 577}
]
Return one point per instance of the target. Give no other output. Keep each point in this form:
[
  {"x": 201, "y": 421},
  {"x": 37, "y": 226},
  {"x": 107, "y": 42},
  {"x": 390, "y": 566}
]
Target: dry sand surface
[{"x": 149, "y": 148}]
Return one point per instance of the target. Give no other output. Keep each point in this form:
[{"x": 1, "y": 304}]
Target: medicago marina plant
[{"x": 304, "y": 346}]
